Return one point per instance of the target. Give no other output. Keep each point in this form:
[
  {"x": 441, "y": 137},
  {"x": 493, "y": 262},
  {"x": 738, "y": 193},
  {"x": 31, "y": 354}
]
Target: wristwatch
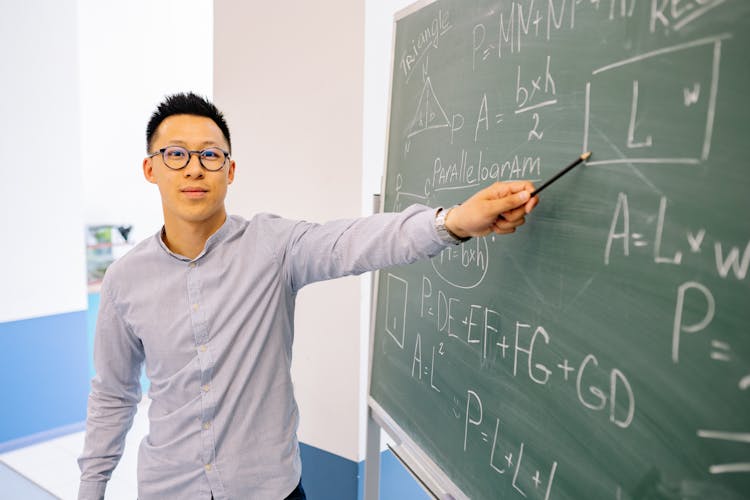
[{"x": 445, "y": 234}]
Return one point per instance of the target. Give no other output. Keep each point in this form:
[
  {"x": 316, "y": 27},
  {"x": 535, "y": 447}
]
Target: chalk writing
[
  {"x": 702, "y": 109},
  {"x": 396, "y": 293},
  {"x": 472, "y": 169},
  {"x": 523, "y": 480},
  {"x": 675, "y": 14},
  {"x": 614, "y": 319},
  {"x": 427, "y": 39}
]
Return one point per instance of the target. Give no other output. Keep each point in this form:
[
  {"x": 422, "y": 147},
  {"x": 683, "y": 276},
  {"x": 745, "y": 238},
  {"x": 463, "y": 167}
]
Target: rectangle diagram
[
  {"x": 395, "y": 308},
  {"x": 663, "y": 110}
]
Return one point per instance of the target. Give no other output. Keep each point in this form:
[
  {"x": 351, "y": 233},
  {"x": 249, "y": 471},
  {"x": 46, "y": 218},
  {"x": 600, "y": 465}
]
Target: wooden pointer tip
[{"x": 585, "y": 156}]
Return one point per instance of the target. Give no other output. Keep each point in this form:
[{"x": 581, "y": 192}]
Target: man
[{"x": 208, "y": 304}]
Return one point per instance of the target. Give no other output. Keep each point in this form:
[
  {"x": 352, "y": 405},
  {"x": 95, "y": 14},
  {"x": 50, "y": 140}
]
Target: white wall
[
  {"x": 41, "y": 213},
  {"x": 289, "y": 77},
  {"x": 79, "y": 81},
  {"x": 133, "y": 53}
]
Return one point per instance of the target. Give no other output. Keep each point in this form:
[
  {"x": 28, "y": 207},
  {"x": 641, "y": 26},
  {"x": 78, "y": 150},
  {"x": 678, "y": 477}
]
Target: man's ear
[
  {"x": 230, "y": 172},
  {"x": 148, "y": 170}
]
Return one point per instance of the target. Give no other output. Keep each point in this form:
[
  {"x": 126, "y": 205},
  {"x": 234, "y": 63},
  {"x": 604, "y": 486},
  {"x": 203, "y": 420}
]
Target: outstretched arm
[
  {"x": 323, "y": 251},
  {"x": 499, "y": 208}
]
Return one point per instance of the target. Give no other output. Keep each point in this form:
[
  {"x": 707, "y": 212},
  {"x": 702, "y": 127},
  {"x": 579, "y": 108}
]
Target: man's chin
[{"x": 196, "y": 214}]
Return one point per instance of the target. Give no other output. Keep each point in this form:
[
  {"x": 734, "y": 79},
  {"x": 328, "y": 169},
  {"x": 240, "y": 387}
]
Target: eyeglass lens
[{"x": 177, "y": 157}]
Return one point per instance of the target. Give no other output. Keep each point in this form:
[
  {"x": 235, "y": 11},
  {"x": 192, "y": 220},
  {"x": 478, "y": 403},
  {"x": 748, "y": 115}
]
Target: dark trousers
[{"x": 297, "y": 494}]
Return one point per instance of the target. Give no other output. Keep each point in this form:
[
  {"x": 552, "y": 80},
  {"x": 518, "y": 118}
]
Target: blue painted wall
[
  {"x": 396, "y": 483},
  {"x": 332, "y": 477},
  {"x": 327, "y": 475},
  {"x": 44, "y": 366}
]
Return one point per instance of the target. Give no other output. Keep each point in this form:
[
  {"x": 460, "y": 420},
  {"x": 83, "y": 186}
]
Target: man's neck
[{"x": 189, "y": 238}]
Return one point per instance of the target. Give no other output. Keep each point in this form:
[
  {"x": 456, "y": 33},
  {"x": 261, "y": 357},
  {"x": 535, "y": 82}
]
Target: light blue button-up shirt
[{"x": 216, "y": 336}]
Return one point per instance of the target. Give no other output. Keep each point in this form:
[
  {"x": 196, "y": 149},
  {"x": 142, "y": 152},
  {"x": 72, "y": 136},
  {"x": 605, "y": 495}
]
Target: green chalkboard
[{"x": 603, "y": 350}]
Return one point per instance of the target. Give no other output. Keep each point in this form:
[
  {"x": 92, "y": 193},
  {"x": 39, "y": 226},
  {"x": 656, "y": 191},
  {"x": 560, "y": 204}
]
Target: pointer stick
[{"x": 583, "y": 157}]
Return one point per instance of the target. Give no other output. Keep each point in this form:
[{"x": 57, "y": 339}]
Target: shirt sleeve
[
  {"x": 318, "y": 252},
  {"x": 115, "y": 392}
]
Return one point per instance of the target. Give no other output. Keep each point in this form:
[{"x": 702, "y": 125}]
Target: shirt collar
[{"x": 212, "y": 241}]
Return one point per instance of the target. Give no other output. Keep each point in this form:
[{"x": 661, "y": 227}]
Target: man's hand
[{"x": 499, "y": 208}]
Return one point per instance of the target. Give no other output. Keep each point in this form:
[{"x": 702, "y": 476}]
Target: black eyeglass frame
[{"x": 190, "y": 155}]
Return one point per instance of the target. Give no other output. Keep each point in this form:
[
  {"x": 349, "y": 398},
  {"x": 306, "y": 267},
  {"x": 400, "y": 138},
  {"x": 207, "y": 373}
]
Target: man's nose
[{"x": 194, "y": 167}]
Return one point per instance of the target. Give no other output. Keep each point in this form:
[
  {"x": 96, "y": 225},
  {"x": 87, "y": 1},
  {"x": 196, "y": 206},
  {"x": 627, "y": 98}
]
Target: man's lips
[{"x": 194, "y": 192}]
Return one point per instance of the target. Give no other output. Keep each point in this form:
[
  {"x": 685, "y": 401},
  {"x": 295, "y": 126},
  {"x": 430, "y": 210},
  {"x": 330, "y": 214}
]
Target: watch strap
[{"x": 445, "y": 234}]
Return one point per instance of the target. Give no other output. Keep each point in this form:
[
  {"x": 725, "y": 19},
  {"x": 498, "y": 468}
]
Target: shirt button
[
  {"x": 207, "y": 426},
  {"x": 205, "y": 388},
  {"x": 208, "y": 467},
  {"x": 203, "y": 348},
  {"x": 192, "y": 264},
  {"x": 195, "y": 307}
]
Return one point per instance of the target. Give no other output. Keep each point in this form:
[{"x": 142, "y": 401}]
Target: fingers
[
  {"x": 499, "y": 208},
  {"x": 509, "y": 202},
  {"x": 502, "y": 189},
  {"x": 529, "y": 206},
  {"x": 502, "y": 226},
  {"x": 515, "y": 214}
]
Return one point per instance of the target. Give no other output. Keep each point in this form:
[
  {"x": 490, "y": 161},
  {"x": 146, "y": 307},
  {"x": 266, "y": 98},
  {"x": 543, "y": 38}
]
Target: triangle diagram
[{"x": 430, "y": 113}]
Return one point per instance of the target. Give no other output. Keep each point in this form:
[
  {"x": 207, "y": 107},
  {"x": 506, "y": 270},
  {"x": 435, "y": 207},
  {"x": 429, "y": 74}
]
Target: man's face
[{"x": 192, "y": 194}]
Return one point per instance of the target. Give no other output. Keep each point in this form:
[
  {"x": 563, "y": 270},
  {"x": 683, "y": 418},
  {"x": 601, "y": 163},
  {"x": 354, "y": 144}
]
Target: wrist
[
  {"x": 452, "y": 227},
  {"x": 448, "y": 232}
]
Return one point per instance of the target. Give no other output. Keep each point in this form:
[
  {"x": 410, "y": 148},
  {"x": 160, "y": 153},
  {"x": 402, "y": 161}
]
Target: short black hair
[{"x": 185, "y": 103}]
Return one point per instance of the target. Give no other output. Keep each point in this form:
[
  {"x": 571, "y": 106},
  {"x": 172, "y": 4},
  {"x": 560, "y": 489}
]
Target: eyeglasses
[{"x": 177, "y": 157}]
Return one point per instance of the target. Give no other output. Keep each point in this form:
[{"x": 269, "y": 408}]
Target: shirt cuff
[{"x": 91, "y": 490}]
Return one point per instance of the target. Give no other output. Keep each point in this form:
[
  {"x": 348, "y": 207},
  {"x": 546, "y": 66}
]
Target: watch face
[
  {"x": 440, "y": 221},
  {"x": 442, "y": 231}
]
